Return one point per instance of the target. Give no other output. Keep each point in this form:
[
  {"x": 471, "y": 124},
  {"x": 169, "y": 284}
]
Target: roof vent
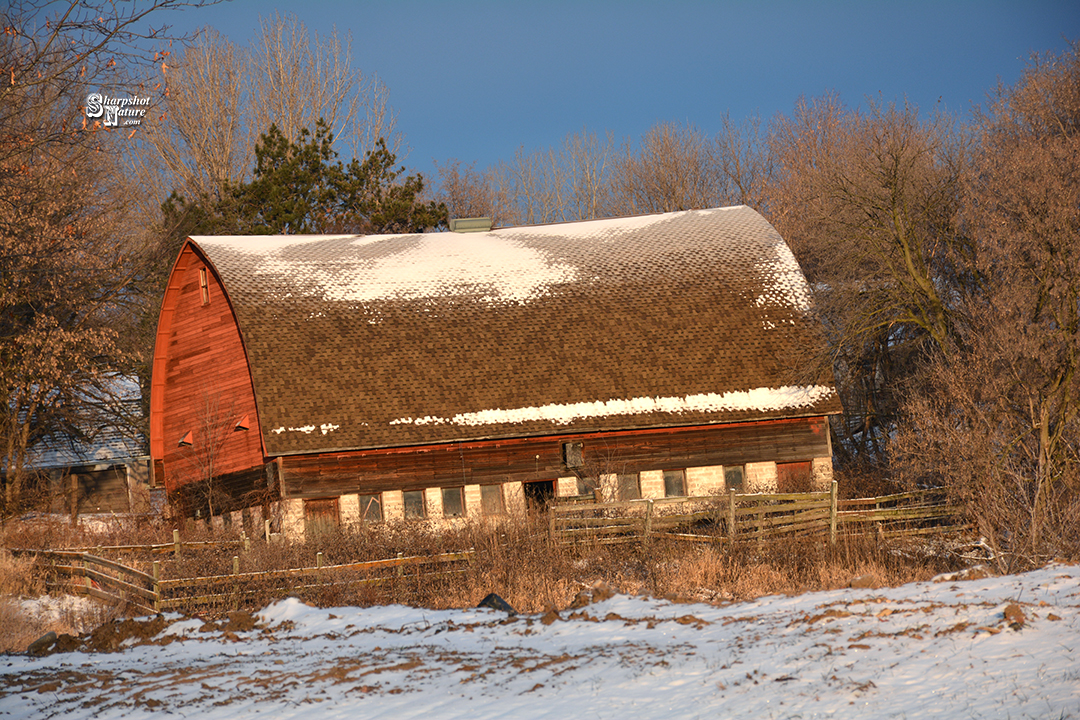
[{"x": 466, "y": 225}]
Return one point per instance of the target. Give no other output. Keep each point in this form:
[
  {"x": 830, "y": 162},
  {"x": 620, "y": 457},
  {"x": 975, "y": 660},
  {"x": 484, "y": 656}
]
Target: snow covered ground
[{"x": 1005, "y": 647}]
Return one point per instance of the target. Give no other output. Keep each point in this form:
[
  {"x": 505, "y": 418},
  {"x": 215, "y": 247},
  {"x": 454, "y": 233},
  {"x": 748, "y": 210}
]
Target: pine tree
[{"x": 302, "y": 187}]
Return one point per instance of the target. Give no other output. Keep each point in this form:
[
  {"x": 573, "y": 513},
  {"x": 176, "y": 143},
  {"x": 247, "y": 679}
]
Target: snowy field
[{"x": 1004, "y": 647}]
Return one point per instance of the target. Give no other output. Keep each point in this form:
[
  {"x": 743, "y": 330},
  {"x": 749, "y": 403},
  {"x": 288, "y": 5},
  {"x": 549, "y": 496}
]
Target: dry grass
[
  {"x": 23, "y": 622},
  {"x": 514, "y": 559},
  {"x": 517, "y": 561}
]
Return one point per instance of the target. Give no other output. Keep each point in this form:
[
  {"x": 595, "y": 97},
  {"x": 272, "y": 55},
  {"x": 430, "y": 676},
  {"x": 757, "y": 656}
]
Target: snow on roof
[
  {"x": 760, "y": 399},
  {"x": 109, "y": 433},
  {"x": 687, "y": 317},
  {"x": 497, "y": 265}
]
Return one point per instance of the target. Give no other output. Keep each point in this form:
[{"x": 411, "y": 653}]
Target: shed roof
[
  {"x": 109, "y": 418},
  {"x": 371, "y": 341}
]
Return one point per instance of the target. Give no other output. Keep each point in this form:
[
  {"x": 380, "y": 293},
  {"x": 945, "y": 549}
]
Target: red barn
[{"x": 340, "y": 378}]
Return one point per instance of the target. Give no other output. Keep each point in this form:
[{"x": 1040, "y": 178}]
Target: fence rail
[
  {"x": 107, "y": 580},
  {"x": 734, "y": 516},
  {"x": 175, "y": 547}
]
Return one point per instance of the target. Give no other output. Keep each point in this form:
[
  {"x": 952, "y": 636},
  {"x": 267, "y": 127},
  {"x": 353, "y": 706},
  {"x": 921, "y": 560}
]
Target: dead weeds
[{"x": 514, "y": 559}]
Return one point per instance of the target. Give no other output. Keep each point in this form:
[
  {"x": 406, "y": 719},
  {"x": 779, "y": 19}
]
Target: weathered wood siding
[
  {"x": 528, "y": 459},
  {"x": 201, "y": 382}
]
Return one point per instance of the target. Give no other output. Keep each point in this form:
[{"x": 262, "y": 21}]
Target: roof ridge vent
[{"x": 466, "y": 225}]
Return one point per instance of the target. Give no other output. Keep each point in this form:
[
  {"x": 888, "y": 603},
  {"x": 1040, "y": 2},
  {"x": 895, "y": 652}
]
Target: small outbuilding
[
  {"x": 341, "y": 378},
  {"x": 101, "y": 467}
]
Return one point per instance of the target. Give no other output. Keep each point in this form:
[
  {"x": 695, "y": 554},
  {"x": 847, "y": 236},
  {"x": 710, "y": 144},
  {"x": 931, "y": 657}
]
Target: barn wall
[
  {"x": 201, "y": 383},
  {"x": 524, "y": 460}
]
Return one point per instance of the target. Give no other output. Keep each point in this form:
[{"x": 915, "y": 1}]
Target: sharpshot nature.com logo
[{"x": 117, "y": 111}]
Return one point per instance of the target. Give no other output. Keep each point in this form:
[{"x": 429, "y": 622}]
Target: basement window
[
  {"x": 414, "y": 504},
  {"x": 453, "y": 502},
  {"x": 629, "y": 486},
  {"x": 491, "y": 500},
  {"x": 674, "y": 483},
  {"x": 204, "y": 286},
  {"x": 586, "y": 485},
  {"x": 371, "y": 508},
  {"x": 794, "y": 477},
  {"x": 733, "y": 477},
  {"x": 321, "y": 516}
]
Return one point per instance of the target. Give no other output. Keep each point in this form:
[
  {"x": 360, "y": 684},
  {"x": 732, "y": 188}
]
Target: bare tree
[
  {"x": 66, "y": 257},
  {"x": 53, "y": 54},
  {"x": 869, "y": 202},
  {"x": 298, "y": 77},
  {"x": 566, "y": 183},
  {"x": 589, "y": 160},
  {"x": 673, "y": 168},
  {"x": 468, "y": 193},
  {"x": 746, "y": 164},
  {"x": 198, "y": 467},
  {"x": 1002, "y": 425},
  {"x": 197, "y": 144},
  {"x": 219, "y": 99}
]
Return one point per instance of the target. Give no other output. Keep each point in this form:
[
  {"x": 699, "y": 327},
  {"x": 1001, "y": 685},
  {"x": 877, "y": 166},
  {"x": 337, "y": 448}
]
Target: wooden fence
[
  {"x": 757, "y": 516},
  {"x": 175, "y": 547},
  {"x": 104, "y": 579}
]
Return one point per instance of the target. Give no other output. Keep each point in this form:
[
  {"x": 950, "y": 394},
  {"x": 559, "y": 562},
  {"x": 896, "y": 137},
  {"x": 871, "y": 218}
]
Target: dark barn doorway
[{"x": 538, "y": 493}]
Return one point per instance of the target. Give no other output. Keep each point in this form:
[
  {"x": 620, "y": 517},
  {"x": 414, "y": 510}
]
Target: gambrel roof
[{"x": 675, "y": 319}]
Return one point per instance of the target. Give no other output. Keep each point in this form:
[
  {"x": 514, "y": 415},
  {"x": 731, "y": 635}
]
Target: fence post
[
  {"x": 400, "y": 567},
  {"x": 832, "y": 513},
  {"x": 318, "y": 560},
  {"x": 157, "y": 587},
  {"x": 648, "y": 520},
  {"x": 759, "y": 517},
  {"x": 176, "y": 542},
  {"x": 86, "y": 571},
  {"x": 731, "y": 514},
  {"x": 235, "y": 564},
  {"x": 247, "y": 544}
]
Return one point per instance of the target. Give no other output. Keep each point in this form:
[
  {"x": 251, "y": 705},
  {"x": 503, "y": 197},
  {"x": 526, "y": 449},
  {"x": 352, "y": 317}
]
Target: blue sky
[{"x": 475, "y": 79}]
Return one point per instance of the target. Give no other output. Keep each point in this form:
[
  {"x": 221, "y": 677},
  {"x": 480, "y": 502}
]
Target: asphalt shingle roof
[{"x": 390, "y": 340}]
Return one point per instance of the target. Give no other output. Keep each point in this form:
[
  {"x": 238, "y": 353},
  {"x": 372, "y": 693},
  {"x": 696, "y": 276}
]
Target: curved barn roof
[{"x": 682, "y": 318}]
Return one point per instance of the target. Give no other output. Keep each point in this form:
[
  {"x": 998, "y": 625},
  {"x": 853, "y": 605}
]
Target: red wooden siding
[
  {"x": 201, "y": 382},
  {"x": 526, "y": 459}
]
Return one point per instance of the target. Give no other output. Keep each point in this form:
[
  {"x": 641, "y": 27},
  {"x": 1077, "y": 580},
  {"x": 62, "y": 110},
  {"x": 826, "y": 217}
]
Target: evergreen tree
[{"x": 302, "y": 187}]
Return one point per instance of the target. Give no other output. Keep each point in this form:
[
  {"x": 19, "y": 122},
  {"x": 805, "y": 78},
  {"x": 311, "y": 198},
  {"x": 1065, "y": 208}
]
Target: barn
[{"x": 344, "y": 378}]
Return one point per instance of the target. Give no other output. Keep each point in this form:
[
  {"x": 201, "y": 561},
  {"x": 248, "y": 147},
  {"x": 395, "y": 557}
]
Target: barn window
[
  {"x": 674, "y": 483},
  {"x": 414, "y": 504},
  {"x": 204, "y": 286},
  {"x": 629, "y": 486},
  {"x": 491, "y": 500},
  {"x": 453, "y": 502},
  {"x": 733, "y": 477},
  {"x": 573, "y": 455},
  {"x": 370, "y": 508}
]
